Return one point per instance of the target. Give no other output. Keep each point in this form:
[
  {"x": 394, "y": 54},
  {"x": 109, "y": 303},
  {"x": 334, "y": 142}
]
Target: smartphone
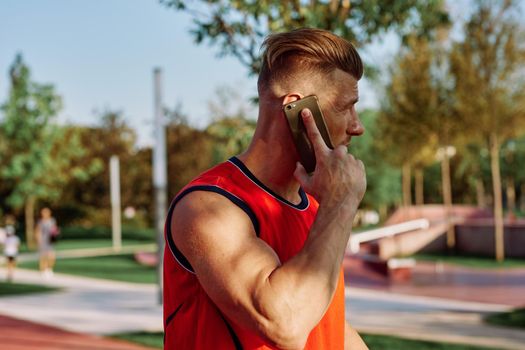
[{"x": 303, "y": 145}]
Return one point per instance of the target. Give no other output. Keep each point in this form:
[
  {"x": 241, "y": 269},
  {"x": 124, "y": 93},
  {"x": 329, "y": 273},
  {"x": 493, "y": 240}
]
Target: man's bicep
[{"x": 219, "y": 240}]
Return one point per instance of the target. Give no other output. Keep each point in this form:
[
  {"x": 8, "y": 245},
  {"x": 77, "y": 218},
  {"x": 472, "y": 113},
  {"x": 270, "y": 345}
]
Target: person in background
[
  {"x": 46, "y": 229},
  {"x": 11, "y": 245}
]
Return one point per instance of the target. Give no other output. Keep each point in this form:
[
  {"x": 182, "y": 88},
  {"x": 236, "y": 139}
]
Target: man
[
  {"x": 46, "y": 230},
  {"x": 255, "y": 245}
]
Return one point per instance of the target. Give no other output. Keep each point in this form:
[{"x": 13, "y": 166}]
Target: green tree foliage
[
  {"x": 231, "y": 128},
  {"x": 231, "y": 136},
  {"x": 190, "y": 152},
  {"x": 513, "y": 171},
  {"x": 411, "y": 115},
  {"x": 488, "y": 69},
  {"x": 238, "y": 27},
  {"x": 30, "y": 167},
  {"x": 28, "y": 135},
  {"x": 383, "y": 180},
  {"x": 86, "y": 199}
]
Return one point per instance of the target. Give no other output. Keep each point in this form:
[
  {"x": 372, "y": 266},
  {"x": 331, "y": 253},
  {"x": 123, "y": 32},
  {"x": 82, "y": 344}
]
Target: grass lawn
[
  {"x": 515, "y": 318},
  {"x": 471, "y": 261},
  {"x": 87, "y": 243},
  {"x": 385, "y": 342},
  {"x": 12, "y": 288},
  {"x": 374, "y": 342},
  {"x": 113, "y": 267},
  {"x": 152, "y": 339}
]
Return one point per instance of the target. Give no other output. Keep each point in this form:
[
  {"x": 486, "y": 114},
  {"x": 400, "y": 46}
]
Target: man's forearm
[{"x": 301, "y": 289}]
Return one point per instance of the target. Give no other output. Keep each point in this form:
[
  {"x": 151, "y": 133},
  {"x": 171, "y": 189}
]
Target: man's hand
[{"x": 339, "y": 178}]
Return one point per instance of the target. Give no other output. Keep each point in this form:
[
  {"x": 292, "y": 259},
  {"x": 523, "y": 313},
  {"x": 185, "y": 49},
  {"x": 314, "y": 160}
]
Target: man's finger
[{"x": 313, "y": 132}]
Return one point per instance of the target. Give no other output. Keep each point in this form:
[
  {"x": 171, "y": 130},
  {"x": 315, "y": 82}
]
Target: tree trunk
[
  {"x": 522, "y": 198},
  {"x": 511, "y": 195},
  {"x": 480, "y": 194},
  {"x": 30, "y": 222},
  {"x": 418, "y": 177},
  {"x": 447, "y": 199},
  {"x": 383, "y": 212},
  {"x": 407, "y": 193},
  {"x": 498, "y": 207}
]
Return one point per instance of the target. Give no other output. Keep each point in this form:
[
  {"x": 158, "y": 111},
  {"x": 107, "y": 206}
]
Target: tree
[
  {"x": 410, "y": 104},
  {"x": 232, "y": 127},
  {"x": 89, "y": 196},
  {"x": 29, "y": 167},
  {"x": 238, "y": 27},
  {"x": 488, "y": 69},
  {"x": 474, "y": 166},
  {"x": 383, "y": 188},
  {"x": 190, "y": 150}
]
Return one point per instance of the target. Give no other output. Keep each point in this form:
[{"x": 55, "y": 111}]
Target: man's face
[{"x": 338, "y": 99}]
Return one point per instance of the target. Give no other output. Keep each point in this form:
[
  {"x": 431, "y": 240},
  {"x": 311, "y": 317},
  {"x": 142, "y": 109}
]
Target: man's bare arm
[{"x": 243, "y": 275}]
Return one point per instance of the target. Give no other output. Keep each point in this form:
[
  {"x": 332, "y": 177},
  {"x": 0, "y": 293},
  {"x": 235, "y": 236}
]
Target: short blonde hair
[{"x": 306, "y": 50}]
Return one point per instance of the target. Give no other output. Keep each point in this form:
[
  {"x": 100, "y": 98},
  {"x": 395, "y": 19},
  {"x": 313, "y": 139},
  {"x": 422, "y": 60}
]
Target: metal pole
[
  {"x": 159, "y": 174},
  {"x": 116, "y": 231}
]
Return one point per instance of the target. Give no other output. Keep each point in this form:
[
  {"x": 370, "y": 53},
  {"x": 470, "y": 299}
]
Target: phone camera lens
[{"x": 288, "y": 107}]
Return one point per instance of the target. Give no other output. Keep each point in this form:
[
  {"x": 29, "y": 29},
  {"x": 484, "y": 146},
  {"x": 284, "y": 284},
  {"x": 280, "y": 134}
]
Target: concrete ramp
[{"x": 408, "y": 243}]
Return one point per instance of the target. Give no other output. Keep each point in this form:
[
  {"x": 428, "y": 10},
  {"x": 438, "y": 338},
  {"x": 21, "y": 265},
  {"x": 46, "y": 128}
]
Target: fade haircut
[{"x": 306, "y": 50}]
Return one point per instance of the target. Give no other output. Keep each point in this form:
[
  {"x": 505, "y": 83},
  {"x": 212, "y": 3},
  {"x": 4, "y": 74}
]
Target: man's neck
[{"x": 273, "y": 162}]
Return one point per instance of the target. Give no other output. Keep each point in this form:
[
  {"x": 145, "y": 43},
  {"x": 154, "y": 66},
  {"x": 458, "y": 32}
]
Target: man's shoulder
[{"x": 212, "y": 175}]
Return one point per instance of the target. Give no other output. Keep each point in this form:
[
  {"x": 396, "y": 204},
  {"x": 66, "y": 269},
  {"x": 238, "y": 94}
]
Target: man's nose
[{"x": 355, "y": 126}]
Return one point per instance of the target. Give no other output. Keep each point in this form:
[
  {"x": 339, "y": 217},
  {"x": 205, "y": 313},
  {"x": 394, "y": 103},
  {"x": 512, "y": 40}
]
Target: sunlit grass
[
  {"x": 152, "y": 339},
  {"x": 471, "y": 261},
  {"x": 515, "y": 318},
  {"x": 374, "y": 342},
  {"x": 15, "y": 289},
  {"x": 112, "y": 267},
  {"x": 86, "y": 244}
]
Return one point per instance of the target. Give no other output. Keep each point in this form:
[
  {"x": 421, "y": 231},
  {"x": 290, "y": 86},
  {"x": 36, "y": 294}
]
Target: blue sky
[{"x": 101, "y": 54}]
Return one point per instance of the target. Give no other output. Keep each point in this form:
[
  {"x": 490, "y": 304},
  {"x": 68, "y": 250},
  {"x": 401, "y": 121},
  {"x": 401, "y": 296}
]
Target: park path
[
  {"x": 87, "y": 305},
  {"x": 90, "y": 252},
  {"x": 17, "y": 334},
  {"x": 99, "y": 307}
]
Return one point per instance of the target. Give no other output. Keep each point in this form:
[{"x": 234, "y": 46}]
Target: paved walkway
[
  {"x": 100, "y": 307},
  {"x": 87, "y": 305},
  {"x": 429, "y": 318},
  {"x": 492, "y": 286},
  {"x": 16, "y": 334}
]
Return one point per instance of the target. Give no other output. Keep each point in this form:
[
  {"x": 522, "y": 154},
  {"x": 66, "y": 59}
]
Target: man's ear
[{"x": 291, "y": 97}]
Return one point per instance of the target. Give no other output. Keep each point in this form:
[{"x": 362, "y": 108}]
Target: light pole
[
  {"x": 159, "y": 174},
  {"x": 116, "y": 230}
]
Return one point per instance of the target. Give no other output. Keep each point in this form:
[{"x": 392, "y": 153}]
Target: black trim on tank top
[
  {"x": 181, "y": 259},
  {"x": 172, "y": 315},
  {"x": 235, "y": 338},
  {"x": 244, "y": 169},
  {"x": 168, "y": 320}
]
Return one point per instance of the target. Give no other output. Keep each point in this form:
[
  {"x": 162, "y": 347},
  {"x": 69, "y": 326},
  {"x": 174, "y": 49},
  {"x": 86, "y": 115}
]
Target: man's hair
[{"x": 306, "y": 50}]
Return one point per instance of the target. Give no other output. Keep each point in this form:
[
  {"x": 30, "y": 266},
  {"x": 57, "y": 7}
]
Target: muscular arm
[{"x": 243, "y": 275}]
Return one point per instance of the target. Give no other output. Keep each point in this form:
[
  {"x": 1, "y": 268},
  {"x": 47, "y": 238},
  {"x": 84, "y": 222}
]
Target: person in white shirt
[{"x": 11, "y": 245}]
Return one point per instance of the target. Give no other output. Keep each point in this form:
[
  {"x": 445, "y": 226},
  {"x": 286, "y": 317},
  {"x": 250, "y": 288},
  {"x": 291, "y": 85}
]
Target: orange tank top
[{"x": 191, "y": 319}]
